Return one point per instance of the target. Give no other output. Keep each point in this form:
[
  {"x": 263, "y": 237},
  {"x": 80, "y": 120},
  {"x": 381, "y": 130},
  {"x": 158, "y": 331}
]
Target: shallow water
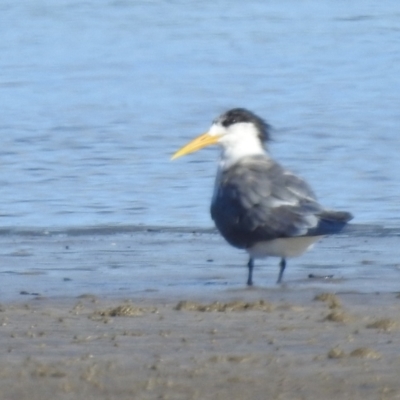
[
  {"x": 162, "y": 263},
  {"x": 96, "y": 96}
]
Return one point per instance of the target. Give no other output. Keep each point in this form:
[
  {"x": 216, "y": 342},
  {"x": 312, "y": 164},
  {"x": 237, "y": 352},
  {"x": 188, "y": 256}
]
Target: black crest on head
[{"x": 238, "y": 115}]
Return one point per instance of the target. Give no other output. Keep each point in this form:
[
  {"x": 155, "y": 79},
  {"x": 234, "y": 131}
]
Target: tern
[{"x": 258, "y": 205}]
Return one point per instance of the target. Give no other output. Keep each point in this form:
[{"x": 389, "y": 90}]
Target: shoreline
[
  {"x": 167, "y": 315},
  {"x": 160, "y": 263}
]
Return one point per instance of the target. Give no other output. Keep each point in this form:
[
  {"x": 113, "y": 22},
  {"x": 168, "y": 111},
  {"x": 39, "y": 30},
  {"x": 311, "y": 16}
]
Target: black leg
[
  {"x": 250, "y": 265},
  {"x": 282, "y": 266}
]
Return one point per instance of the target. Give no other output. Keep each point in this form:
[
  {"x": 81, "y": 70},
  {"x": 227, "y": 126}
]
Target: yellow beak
[{"x": 196, "y": 144}]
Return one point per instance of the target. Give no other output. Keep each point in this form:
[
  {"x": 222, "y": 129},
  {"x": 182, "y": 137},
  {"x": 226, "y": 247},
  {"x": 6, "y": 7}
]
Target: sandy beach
[{"x": 184, "y": 332}]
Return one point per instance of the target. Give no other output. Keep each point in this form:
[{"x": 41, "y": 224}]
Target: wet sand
[{"x": 176, "y": 331}]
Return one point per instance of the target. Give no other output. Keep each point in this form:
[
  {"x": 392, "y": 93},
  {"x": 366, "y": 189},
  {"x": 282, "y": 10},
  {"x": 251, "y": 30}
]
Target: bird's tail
[
  {"x": 336, "y": 216},
  {"x": 330, "y": 222}
]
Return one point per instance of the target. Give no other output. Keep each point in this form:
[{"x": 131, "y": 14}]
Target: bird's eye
[{"x": 229, "y": 120}]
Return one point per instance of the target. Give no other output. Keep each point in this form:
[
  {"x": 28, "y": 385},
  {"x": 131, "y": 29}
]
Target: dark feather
[
  {"x": 240, "y": 115},
  {"x": 258, "y": 200}
]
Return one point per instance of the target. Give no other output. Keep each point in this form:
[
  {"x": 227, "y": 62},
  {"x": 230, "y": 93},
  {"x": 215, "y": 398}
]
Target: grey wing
[{"x": 259, "y": 200}]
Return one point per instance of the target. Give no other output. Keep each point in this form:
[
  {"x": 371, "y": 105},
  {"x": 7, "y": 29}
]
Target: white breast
[{"x": 283, "y": 247}]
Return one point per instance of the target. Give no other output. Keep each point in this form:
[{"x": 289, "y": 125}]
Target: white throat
[
  {"x": 241, "y": 141},
  {"x": 237, "y": 141}
]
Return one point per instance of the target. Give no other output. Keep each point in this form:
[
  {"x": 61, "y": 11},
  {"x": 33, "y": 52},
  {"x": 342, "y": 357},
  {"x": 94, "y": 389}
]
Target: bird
[{"x": 257, "y": 204}]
